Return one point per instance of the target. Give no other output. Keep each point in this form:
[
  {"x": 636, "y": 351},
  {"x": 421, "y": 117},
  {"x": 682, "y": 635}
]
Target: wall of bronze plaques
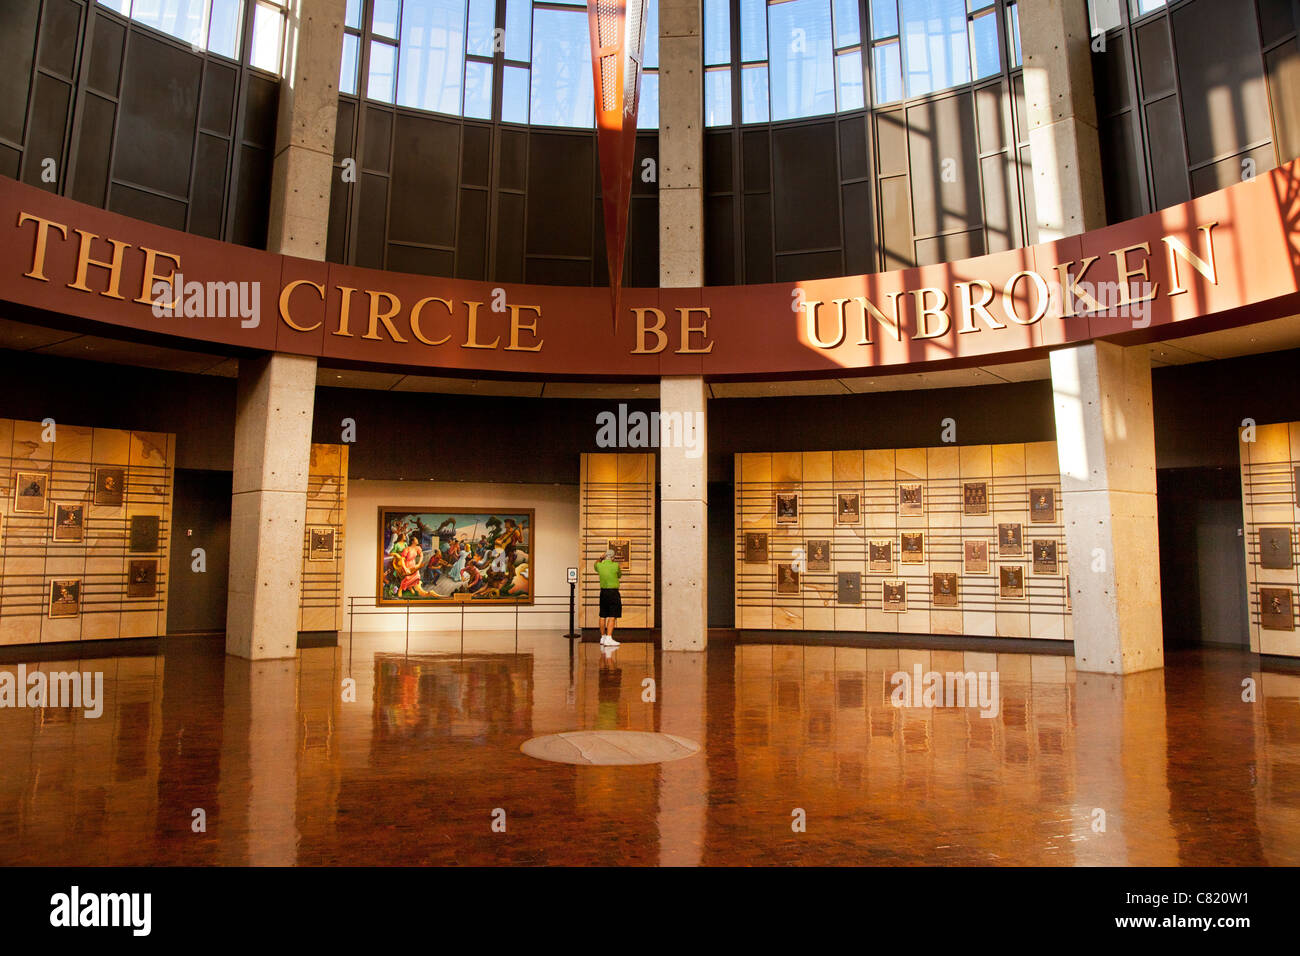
[
  {"x": 85, "y": 522},
  {"x": 946, "y": 540},
  {"x": 616, "y": 510},
  {"x": 320, "y": 602},
  {"x": 1270, "y": 499}
]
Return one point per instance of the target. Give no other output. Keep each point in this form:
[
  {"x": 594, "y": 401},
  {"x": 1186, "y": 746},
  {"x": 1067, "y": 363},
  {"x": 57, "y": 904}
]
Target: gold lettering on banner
[
  {"x": 415, "y": 320},
  {"x": 114, "y": 265},
  {"x": 471, "y": 336},
  {"x": 969, "y": 307},
  {"x": 688, "y": 330},
  {"x": 1009, "y": 297},
  {"x": 151, "y": 275},
  {"x": 345, "y": 311},
  {"x": 1070, "y": 289},
  {"x": 1179, "y": 251},
  {"x": 657, "y": 329},
  {"x": 43, "y": 227},
  {"x": 385, "y": 317},
  {"x": 1125, "y": 274},
  {"x": 871, "y": 311},
  {"x": 810, "y": 308},
  {"x": 923, "y": 311},
  {"x": 284, "y": 304},
  {"x": 517, "y": 326}
]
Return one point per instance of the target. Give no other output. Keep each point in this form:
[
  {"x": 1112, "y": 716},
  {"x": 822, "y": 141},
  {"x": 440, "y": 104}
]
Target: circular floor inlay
[{"x": 610, "y": 747}]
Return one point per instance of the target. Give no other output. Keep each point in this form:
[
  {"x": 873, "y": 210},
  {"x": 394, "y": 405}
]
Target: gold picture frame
[
  {"x": 69, "y": 523},
  {"x": 31, "y": 491}
]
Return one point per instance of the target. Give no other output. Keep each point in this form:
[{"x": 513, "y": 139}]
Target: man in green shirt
[{"x": 611, "y": 602}]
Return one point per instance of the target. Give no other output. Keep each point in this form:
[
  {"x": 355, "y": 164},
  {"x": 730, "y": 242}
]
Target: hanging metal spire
[{"x": 617, "y": 30}]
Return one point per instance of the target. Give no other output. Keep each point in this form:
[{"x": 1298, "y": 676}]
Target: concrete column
[
  {"x": 683, "y": 515},
  {"x": 1062, "y": 113},
  {"x": 681, "y": 144},
  {"x": 1105, "y": 441},
  {"x": 277, "y": 392},
  {"x": 269, "y": 504}
]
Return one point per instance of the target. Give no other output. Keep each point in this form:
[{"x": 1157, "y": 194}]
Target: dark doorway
[
  {"x": 196, "y": 601},
  {"x": 1202, "y": 562}
]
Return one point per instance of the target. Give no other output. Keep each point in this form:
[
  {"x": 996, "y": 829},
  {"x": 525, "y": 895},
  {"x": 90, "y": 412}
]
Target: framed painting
[
  {"x": 911, "y": 549},
  {"x": 975, "y": 498},
  {"x": 975, "y": 556},
  {"x": 848, "y": 509},
  {"x": 944, "y": 589},
  {"x": 438, "y": 556},
  {"x": 787, "y": 579},
  {"x": 1045, "y": 556},
  {"x": 320, "y": 542},
  {"x": 893, "y": 597},
  {"x": 1010, "y": 540},
  {"x": 880, "y": 555},
  {"x": 1042, "y": 505},
  {"x": 819, "y": 555},
  {"x": 65, "y": 598},
  {"x": 787, "y": 508},
  {"x": 69, "y": 522},
  {"x": 911, "y": 498},
  {"x": 110, "y": 486},
  {"x": 142, "y": 578},
  {"x": 1011, "y": 582},
  {"x": 30, "y": 488},
  {"x": 756, "y": 547},
  {"x": 1275, "y": 612}
]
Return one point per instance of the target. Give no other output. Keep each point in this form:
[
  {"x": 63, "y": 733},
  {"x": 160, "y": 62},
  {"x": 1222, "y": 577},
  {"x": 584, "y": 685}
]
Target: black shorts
[{"x": 611, "y": 603}]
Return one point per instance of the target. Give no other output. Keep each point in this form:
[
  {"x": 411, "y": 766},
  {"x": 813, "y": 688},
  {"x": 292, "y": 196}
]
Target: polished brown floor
[{"x": 417, "y": 769}]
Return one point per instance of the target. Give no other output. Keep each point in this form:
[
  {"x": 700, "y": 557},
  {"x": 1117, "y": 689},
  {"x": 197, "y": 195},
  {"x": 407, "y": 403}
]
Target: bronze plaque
[
  {"x": 787, "y": 579},
  {"x": 1045, "y": 556},
  {"x": 1275, "y": 549},
  {"x": 30, "y": 488},
  {"x": 1011, "y": 581},
  {"x": 911, "y": 547},
  {"x": 142, "y": 578},
  {"x": 755, "y": 547},
  {"x": 65, "y": 598},
  {"x": 847, "y": 509},
  {"x": 787, "y": 508},
  {"x": 1275, "y": 609},
  {"x": 69, "y": 522},
  {"x": 911, "y": 498},
  {"x": 1042, "y": 505},
  {"x": 849, "y": 587},
  {"x": 622, "y": 548},
  {"x": 893, "y": 597},
  {"x": 880, "y": 555},
  {"x": 320, "y": 543},
  {"x": 975, "y": 498},
  {"x": 1010, "y": 544},
  {"x": 819, "y": 555},
  {"x": 975, "y": 556},
  {"x": 110, "y": 486},
  {"x": 944, "y": 592},
  {"x": 144, "y": 534},
  {"x": 1297, "y": 486}
]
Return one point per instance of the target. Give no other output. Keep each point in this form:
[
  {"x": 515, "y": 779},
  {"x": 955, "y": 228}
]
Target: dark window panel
[
  {"x": 757, "y": 213},
  {"x": 95, "y": 150},
  {"x": 142, "y": 205},
  {"x": 992, "y": 120},
  {"x": 48, "y": 126},
  {"x": 1218, "y": 54},
  {"x": 600, "y": 260},
  {"x": 643, "y": 242},
  {"x": 10, "y": 159},
  {"x": 805, "y": 188},
  {"x": 944, "y": 165},
  {"x": 508, "y": 265},
  {"x": 808, "y": 265},
  {"x": 217, "y": 107},
  {"x": 959, "y": 245},
  {"x": 1228, "y": 172},
  {"x": 756, "y": 173},
  {"x": 371, "y": 218},
  {"x": 720, "y": 244},
  {"x": 558, "y": 271},
  {"x": 891, "y": 143},
  {"x": 425, "y": 174},
  {"x": 1277, "y": 19},
  {"x": 471, "y": 235},
  {"x": 476, "y": 161},
  {"x": 252, "y": 199},
  {"x": 1111, "y": 77},
  {"x": 561, "y": 174},
  {"x": 1168, "y": 162},
  {"x": 719, "y": 176},
  {"x": 1155, "y": 58},
  {"x": 18, "y": 19},
  {"x": 345, "y": 131},
  {"x": 429, "y": 262},
  {"x": 336, "y": 241},
  {"x": 207, "y": 203},
  {"x": 853, "y": 148},
  {"x": 60, "y": 32},
  {"x": 261, "y": 106},
  {"x": 377, "y": 139},
  {"x": 1027, "y": 192},
  {"x": 1284, "y": 91},
  {"x": 859, "y": 233},
  {"x": 1001, "y": 202},
  {"x": 896, "y": 217},
  {"x": 647, "y": 147},
  {"x": 105, "y": 69},
  {"x": 514, "y": 159},
  {"x": 159, "y": 107}
]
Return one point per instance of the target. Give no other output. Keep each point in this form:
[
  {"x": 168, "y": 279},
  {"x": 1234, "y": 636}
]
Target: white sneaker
[
  {"x": 610, "y": 642},
  {"x": 604, "y": 640}
]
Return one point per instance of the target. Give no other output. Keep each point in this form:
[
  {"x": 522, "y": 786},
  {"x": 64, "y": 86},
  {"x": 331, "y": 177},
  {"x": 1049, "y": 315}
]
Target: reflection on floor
[{"x": 805, "y": 759}]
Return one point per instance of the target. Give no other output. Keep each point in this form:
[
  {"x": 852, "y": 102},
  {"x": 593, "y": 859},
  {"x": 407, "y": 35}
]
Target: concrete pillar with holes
[
  {"x": 683, "y": 482},
  {"x": 277, "y": 392}
]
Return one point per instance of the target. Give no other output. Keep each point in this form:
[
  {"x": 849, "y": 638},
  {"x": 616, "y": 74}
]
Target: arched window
[
  {"x": 517, "y": 61},
  {"x": 214, "y": 25},
  {"x": 800, "y": 58}
]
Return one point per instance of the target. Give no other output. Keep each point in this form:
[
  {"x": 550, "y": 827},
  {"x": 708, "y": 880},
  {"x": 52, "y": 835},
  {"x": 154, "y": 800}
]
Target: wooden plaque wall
[
  {"x": 320, "y": 603},
  {"x": 1270, "y": 499},
  {"x": 617, "y": 503},
  {"x": 32, "y": 560},
  {"x": 982, "y": 607}
]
